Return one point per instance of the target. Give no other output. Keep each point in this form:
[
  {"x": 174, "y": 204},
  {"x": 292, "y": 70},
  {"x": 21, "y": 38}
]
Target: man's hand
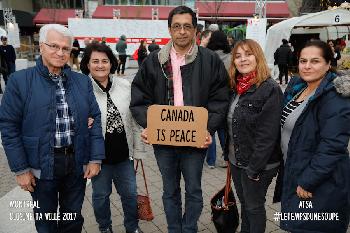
[
  {"x": 92, "y": 169},
  {"x": 144, "y": 136},
  {"x": 208, "y": 140},
  {"x": 26, "y": 181},
  {"x": 90, "y": 122},
  {"x": 302, "y": 193}
]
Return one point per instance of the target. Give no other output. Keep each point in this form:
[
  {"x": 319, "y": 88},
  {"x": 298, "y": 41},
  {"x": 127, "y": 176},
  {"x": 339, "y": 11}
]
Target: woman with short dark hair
[{"x": 122, "y": 141}]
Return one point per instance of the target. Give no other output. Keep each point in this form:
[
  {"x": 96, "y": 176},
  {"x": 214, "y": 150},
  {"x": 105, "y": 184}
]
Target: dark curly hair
[
  {"x": 218, "y": 41},
  {"x": 97, "y": 47}
]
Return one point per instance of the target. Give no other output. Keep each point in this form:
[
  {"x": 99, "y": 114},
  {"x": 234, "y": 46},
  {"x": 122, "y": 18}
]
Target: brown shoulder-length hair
[{"x": 262, "y": 69}]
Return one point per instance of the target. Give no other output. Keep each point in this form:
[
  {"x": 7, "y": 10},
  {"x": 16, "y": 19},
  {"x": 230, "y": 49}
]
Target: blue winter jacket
[
  {"x": 318, "y": 159},
  {"x": 28, "y": 120}
]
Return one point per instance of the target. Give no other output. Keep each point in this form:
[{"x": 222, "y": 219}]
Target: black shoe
[{"x": 138, "y": 230}]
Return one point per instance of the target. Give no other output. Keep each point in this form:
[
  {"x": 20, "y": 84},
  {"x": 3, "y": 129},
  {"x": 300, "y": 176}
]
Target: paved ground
[{"x": 212, "y": 181}]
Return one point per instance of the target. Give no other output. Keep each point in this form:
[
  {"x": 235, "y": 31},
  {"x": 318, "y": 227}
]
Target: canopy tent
[{"x": 330, "y": 24}]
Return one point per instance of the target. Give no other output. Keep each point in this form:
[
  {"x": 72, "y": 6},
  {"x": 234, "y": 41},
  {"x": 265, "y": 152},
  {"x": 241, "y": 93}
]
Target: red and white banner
[{"x": 112, "y": 29}]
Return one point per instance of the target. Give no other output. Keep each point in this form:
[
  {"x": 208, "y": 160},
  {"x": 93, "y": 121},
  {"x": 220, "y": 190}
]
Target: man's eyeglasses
[
  {"x": 57, "y": 48},
  {"x": 178, "y": 27}
]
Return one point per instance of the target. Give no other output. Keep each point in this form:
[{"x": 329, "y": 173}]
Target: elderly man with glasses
[
  {"x": 45, "y": 133},
  {"x": 181, "y": 73}
]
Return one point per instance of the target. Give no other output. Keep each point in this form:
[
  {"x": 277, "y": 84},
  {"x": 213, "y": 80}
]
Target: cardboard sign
[{"x": 177, "y": 126}]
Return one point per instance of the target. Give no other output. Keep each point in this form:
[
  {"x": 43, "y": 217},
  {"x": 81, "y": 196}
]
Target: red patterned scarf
[{"x": 245, "y": 82}]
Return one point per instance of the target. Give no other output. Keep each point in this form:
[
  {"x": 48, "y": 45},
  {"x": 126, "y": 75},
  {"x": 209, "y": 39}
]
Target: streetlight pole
[{"x": 260, "y": 8}]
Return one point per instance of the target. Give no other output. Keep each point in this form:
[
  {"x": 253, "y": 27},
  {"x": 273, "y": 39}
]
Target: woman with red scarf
[{"x": 253, "y": 127}]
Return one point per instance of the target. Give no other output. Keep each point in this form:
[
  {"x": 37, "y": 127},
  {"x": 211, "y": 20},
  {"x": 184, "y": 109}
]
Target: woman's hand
[
  {"x": 90, "y": 122},
  {"x": 302, "y": 193}
]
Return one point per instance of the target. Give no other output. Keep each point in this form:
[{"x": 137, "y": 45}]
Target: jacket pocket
[{"x": 31, "y": 148}]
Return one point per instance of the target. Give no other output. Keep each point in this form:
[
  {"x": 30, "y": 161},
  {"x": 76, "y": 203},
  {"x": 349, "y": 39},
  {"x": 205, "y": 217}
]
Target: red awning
[
  {"x": 205, "y": 9},
  {"x": 240, "y": 9},
  {"x": 132, "y": 12},
  {"x": 60, "y": 16}
]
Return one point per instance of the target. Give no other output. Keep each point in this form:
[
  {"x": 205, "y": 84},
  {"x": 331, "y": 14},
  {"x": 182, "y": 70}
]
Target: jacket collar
[
  {"x": 164, "y": 53},
  {"x": 330, "y": 81},
  {"x": 44, "y": 71},
  {"x": 99, "y": 89}
]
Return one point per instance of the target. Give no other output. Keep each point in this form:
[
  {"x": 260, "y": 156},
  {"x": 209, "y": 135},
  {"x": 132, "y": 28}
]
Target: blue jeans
[
  {"x": 211, "y": 155},
  {"x": 172, "y": 162},
  {"x": 124, "y": 179},
  {"x": 66, "y": 189}
]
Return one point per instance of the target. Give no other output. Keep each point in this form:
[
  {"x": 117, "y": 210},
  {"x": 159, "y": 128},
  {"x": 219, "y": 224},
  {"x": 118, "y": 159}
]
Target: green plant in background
[
  {"x": 238, "y": 32},
  {"x": 345, "y": 64}
]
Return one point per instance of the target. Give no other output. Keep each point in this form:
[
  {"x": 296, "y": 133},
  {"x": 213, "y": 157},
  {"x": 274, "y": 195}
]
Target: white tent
[
  {"x": 330, "y": 24},
  {"x": 2, "y": 32}
]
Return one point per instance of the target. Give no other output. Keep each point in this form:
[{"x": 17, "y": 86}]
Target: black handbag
[{"x": 224, "y": 209}]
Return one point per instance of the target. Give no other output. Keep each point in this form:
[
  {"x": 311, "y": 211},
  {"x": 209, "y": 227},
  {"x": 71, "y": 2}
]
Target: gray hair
[
  {"x": 55, "y": 27},
  {"x": 213, "y": 27}
]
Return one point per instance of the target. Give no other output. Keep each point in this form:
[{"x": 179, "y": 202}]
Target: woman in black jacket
[
  {"x": 253, "y": 122},
  {"x": 142, "y": 53}
]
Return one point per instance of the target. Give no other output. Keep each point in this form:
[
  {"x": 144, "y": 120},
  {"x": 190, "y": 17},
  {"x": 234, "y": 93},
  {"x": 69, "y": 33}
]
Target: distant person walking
[
  {"x": 9, "y": 55},
  {"x": 283, "y": 57},
  {"x": 205, "y": 38},
  {"x": 153, "y": 46},
  {"x": 74, "y": 54},
  {"x": 336, "y": 54},
  {"x": 121, "y": 49},
  {"x": 142, "y": 53}
]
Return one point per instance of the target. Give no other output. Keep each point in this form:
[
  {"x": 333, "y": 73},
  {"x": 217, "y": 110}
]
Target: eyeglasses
[
  {"x": 177, "y": 27},
  {"x": 57, "y": 48}
]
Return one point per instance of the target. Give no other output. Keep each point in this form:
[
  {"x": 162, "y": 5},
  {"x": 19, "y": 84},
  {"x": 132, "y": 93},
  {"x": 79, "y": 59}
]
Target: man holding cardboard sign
[{"x": 181, "y": 74}]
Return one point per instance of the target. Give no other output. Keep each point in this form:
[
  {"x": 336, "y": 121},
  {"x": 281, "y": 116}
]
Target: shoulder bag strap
[
  {"x": 143, "y": 173},
  {"x": 228, "y": 184}
]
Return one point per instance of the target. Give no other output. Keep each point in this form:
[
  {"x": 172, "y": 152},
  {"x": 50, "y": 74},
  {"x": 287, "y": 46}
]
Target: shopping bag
[
  {"x": 135, "y": 55},
  {"x": 224, "y": 209},
  {"x": 144, "y": 209}
]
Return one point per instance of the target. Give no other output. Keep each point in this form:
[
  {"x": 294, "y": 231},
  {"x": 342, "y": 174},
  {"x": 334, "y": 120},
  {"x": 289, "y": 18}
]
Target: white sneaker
[{"x": 211, "y": 166}]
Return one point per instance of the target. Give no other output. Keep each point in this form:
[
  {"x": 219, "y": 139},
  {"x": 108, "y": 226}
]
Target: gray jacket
[
  {"x": 121, "y": 46},
  {"x": 225, "y": 58}
]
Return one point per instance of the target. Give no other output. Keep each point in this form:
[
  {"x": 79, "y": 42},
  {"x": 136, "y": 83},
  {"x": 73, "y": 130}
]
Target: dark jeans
[
  {"x": 11, "y": 66},
  {"x": 252, "y": 195},
  {"x": 66, "y": 189},
  {"x": 124, "y": 179},
  {"x": 172, "y": 162},
  {"x": 121, "y": 65},
  {"x": 283, "y": 71},
  {"x": 211, "y": 155}
]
